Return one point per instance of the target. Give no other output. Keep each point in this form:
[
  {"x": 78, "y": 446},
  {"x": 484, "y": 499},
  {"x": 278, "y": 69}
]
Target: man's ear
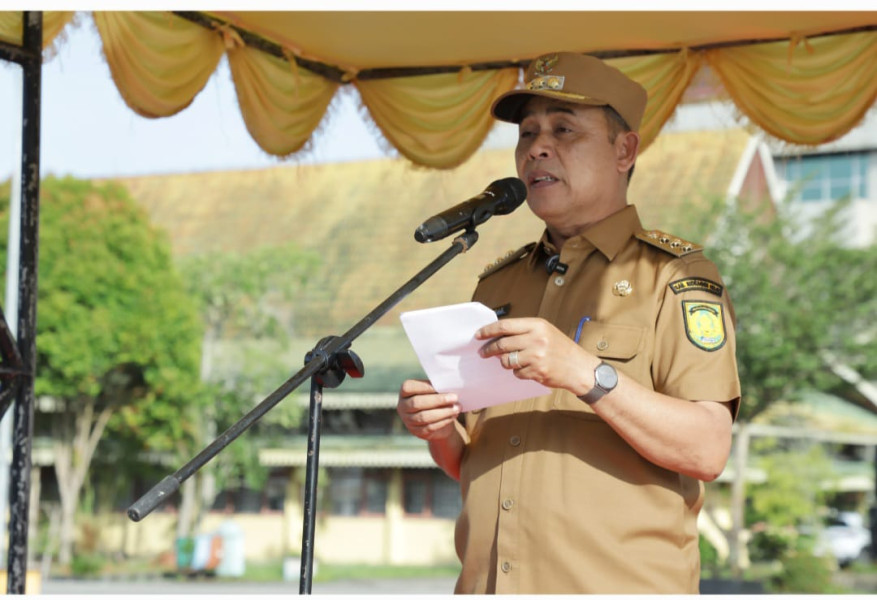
[{"x": 626, "y": 150}]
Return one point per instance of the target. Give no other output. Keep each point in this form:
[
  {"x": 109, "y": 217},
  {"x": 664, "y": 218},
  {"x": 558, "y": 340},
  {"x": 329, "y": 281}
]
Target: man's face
[{"x": 571, "y": 168}]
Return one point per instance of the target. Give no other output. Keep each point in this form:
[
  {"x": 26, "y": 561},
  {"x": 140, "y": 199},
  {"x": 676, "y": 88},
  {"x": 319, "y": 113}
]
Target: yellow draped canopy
[{"x": 427, "y": 78}]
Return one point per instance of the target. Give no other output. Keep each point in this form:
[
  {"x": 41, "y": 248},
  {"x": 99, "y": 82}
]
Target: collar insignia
[{"x": 622, "y": 288}]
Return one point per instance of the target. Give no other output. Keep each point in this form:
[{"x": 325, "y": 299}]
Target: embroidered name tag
[{"x": 692, "y": 284}]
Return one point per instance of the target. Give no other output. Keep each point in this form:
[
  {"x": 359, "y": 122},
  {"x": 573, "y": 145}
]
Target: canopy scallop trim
[{"x": 803, "y": 90}]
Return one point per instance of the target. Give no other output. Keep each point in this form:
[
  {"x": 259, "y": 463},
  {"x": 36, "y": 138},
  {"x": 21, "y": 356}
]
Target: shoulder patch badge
[
  {"x": 668, "y": 243},
  {"x": 696, "y": 284},
  {"x": 506, "y": 260},
  {"x": 704, "y": 324}
]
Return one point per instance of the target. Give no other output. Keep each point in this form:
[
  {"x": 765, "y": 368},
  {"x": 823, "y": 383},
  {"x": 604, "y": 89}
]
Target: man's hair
[{"x": 617, "y": 125}]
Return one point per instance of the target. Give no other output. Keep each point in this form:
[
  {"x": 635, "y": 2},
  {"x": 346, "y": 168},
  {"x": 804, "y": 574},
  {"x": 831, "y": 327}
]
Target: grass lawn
[{"x": 273, "y": 571}]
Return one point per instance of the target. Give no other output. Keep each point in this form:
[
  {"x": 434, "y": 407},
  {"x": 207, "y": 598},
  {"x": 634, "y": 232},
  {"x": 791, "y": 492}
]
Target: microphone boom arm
[{"x": 321, "y": 359}]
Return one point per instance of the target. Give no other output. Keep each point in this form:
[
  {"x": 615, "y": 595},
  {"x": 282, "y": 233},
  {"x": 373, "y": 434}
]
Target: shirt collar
[
  {"x": 611, "y": 234},
  {"x": 608, "y": 236}
]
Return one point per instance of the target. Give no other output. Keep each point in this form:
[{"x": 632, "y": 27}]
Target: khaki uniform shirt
[{"x": 554, "y": 501}]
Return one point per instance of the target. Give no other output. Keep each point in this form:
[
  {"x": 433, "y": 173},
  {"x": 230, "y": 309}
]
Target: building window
[
  {"x": 446, "y": 499},
  {"x": 821, "y": 177},
  {"x": 275, "y": 489},
  {"x": 247, "y": 500},
  {"x": 414, "y": 495},
  {"x": 431, "y": 493},
  {"x": 358, "y": 491},
  {"x": 238, "y": 500}
]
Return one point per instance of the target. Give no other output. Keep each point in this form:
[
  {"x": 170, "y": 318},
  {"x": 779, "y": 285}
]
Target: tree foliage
[
  {"x": 798, "y": 475},
  {"x": 802, "y": 300},
  {"x": 107, "y": 294},
  {"x": 116, "y": 332},
  {"x": 246, "y": 305},
  {"x": 784, "y": 513}
]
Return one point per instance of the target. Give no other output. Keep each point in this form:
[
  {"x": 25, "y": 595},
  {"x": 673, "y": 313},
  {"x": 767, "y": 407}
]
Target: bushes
[
  {"x": 804, "y": 573},
  {"x": 87, "y": 565}
]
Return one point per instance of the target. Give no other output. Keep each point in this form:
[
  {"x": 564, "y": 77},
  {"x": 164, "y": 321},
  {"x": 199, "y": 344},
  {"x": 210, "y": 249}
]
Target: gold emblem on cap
[
  {"x": 544, "y": 64},
  {"x": 622, "y": 288},
  {"x": 548, "y": 82}
]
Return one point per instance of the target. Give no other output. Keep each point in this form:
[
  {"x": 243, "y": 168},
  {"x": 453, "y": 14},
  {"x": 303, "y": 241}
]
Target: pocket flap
[{"x": 618, "y": 342}]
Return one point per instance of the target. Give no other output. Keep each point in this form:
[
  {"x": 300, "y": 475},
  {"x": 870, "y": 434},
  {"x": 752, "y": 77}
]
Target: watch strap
[
  {"x": 595, "y": 394},
  {"x": 600, "y": 389}
]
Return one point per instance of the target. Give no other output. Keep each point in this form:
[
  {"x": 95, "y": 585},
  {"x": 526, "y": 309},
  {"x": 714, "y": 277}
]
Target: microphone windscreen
[{"x": 514, "y": 192}]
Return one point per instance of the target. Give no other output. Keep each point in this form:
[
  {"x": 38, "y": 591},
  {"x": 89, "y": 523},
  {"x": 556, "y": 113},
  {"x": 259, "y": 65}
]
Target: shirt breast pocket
[{"x": 617, "y": 344}]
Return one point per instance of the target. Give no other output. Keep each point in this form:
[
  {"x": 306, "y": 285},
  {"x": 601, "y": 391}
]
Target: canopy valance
[{"x": 428, "y": 78}]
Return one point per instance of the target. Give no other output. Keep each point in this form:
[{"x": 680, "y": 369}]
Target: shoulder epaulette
[
  {"x": 668, "y": 243},
  {"x": 509, "y": 258}
]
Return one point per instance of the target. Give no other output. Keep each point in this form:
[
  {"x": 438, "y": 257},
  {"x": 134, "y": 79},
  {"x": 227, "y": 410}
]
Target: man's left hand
[{"x": 535, "y": 349}]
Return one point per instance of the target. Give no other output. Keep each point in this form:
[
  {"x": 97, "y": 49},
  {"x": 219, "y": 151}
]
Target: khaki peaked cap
[{"x": 579, "y": 79}]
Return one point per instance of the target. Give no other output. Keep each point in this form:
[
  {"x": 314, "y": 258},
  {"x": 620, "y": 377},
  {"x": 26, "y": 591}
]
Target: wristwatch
[{"x": 605, "y": 380}]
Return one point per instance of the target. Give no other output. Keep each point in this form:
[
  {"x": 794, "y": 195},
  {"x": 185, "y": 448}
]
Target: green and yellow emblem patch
[{"x": 704, "y": 324}]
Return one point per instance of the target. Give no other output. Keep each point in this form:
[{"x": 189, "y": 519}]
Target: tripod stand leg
[{"x": 315, "y": 415}]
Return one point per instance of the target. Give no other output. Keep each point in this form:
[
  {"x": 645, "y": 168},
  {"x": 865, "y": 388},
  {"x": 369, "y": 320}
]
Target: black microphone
[
  {"x": 500, "y": 198},
  {"x": 553, "y": 264}
]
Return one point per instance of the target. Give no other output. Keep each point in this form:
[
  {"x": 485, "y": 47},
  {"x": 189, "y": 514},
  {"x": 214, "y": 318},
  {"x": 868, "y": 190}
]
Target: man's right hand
[{"x": 426, "y": 413}]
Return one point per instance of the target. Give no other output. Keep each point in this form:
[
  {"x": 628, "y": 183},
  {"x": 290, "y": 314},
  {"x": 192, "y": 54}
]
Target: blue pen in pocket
[{"x": 579, "y": 328}]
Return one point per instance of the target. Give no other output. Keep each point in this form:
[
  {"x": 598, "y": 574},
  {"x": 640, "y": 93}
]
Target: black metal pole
[
  {"x": 311, "y": 474},
  {"x": 872, "y": 512},
  {"x": 320, "y": 359},
  {"x": 22, "y": 427}
]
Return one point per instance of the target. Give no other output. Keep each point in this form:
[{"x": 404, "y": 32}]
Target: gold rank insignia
[
  {"x": 704, "y": 324},
  {"x": 504, "y": 261},
  {"x": 546, "y": 82},
  {"x": 668, "y": 243}
]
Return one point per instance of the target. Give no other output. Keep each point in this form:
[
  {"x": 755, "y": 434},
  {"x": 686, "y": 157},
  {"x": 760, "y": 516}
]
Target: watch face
[{"x": 606, "y": 377}]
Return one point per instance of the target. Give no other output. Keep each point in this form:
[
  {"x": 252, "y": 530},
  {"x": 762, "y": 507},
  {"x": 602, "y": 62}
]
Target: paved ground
[{"x": 160, "y": 586}]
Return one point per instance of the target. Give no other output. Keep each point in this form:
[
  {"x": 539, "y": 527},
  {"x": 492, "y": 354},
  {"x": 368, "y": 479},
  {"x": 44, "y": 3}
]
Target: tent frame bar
[
  {"x": 29, "y": 56},
  {"x": 13, "y": 53},
  {"x": 339, "y": 75}
]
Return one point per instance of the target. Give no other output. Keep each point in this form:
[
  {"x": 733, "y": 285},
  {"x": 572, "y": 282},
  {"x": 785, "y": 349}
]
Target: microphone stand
[{"x": 327, "y": 365}]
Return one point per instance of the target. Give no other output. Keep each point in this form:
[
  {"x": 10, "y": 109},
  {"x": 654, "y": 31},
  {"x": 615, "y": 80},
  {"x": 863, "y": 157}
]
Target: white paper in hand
[{"x": 444, "y": 341}]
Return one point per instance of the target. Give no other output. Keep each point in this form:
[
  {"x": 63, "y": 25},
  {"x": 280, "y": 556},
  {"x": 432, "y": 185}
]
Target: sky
[{"x": 88, "y": 131}]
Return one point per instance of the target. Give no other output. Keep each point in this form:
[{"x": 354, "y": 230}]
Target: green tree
[
  {"x": 792, "y": 496},
  {"x": 804, "y": 301},
  {"x": 116, "y": 332},
  {"x": 246, "y": 305},
  {"x": 804, "y": 304},
  {"x": 784, "y": 513}
]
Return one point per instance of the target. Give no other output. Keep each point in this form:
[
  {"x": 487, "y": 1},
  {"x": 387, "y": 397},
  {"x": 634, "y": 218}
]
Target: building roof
[
  {"x": 368, "y": 451},
  {"x": 361, "y": 217},
  {"x": 821, "y": 413}
]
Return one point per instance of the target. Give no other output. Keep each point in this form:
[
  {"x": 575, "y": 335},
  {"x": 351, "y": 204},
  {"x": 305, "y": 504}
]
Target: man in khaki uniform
[{"x": 595, "y": 487}]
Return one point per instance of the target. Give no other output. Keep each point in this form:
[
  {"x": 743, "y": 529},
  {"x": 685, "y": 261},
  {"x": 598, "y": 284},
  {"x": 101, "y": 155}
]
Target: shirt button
[
  {"x": 515, "y": 440},
  {"x": 506, "y": 567},
  {"x": 602, "y": 345},
  {"x": 558, "y": 281},
  {"x": 508, "y": 503}
]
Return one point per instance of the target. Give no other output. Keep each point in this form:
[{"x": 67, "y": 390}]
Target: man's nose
[{"x": 542, "y": 146}]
